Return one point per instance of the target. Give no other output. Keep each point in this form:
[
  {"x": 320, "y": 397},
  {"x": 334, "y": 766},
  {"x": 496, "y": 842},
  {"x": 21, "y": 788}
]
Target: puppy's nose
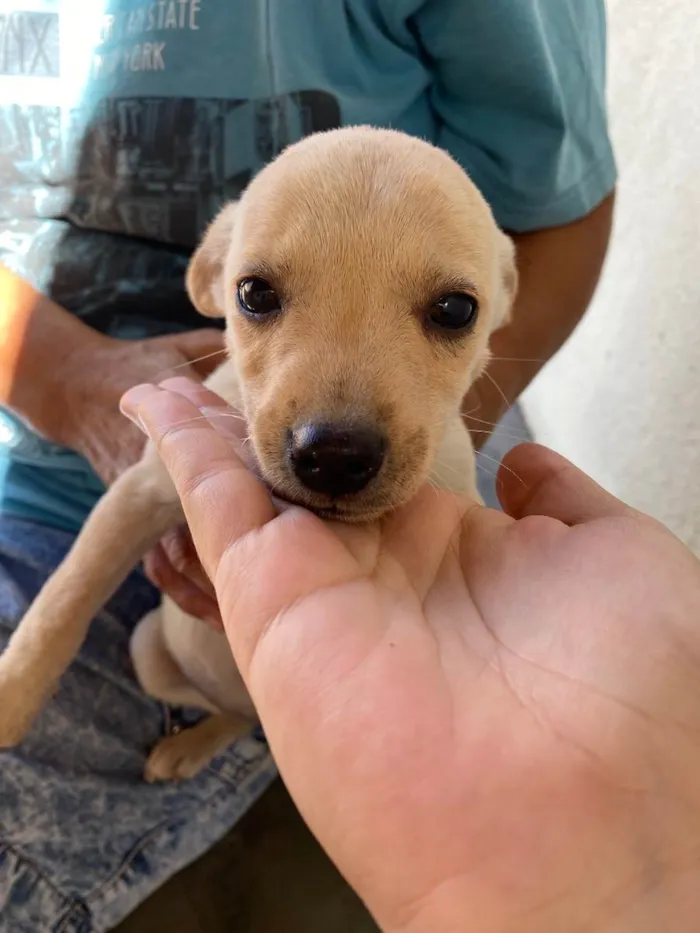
[{"x": 336, "y": 459}]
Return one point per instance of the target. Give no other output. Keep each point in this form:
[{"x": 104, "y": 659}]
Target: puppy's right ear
[{"x": 204, "y": 278}]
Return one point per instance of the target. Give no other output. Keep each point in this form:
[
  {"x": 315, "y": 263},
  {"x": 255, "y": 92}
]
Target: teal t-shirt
[{"x": 124, "y": 125}]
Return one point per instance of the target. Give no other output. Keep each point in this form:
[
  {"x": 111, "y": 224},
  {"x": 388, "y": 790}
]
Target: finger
[
  {"x": 534, "y": 480},
  {"x": 224, "y": 418},
  {"x": 190, "y": 598},
  {"x": 221, "y": 498},
  {"x": 197, "y": 393},
  {"x": 261, "y": 564},
  {"x": 204, "y": 348}
]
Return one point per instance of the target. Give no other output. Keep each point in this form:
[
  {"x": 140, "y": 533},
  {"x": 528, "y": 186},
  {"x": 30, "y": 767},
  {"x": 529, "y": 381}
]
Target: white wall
[{"x": 622, "y": 399}]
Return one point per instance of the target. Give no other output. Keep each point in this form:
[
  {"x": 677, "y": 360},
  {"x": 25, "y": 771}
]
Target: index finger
[
  {"x": 221, "y": 498},
  {"x": 259, "y": 566}
]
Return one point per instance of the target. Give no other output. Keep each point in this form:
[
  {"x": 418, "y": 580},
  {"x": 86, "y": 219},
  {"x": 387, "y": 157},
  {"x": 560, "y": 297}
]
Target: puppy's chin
[
  {"x": 336, "y": 513},
  {"x": 360, "y": 511}
]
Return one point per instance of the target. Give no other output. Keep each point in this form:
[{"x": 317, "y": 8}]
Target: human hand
[
  {"x": 96, "y": 374},
  {"x": 489, "y": 720},
  {"x": 93, "y": 378}
]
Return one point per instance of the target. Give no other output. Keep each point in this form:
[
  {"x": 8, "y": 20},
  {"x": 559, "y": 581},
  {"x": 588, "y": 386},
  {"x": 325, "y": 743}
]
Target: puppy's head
[{"x": 360, "y": 274}]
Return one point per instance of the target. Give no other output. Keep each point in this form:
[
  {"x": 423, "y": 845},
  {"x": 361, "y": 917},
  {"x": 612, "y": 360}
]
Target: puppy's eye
[
  {"x": 258, "y": 297},
  {"x": 456, "y": 311}
]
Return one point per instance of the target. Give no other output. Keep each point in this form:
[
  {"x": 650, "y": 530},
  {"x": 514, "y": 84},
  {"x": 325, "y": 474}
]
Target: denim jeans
[{"x": 83, "y": 838}]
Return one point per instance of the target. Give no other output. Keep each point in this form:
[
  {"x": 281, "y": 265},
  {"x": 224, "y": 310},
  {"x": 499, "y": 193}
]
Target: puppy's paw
[
  {"x": 17, "y": 709},
  {"x": 181, "y": 756},
  {"x": 176, "y": 758}
]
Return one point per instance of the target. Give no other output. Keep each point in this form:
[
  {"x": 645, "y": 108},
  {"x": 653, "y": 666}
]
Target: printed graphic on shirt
[
  {"x": 159, "y": 168},
  {"x": 29, "y": 44},
  {"x": 136, "y": 39},
  {"x": 107, "y": 182}
]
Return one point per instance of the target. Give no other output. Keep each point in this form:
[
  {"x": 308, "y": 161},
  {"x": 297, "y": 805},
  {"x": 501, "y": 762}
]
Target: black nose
[{"x": 336, "y": 459}]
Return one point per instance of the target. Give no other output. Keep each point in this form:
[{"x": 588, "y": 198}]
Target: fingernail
[
  {"x": 131, "y": 400},
  {"x": 178, "y": 384},
  {"x": 218, "y": 411}
]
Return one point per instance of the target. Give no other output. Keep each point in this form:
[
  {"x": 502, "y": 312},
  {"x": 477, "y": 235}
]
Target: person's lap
[{"x": 83, "y": 839}]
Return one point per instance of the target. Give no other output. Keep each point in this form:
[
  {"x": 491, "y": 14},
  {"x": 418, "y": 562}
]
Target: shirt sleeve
[{"x": 518, "y": 90}]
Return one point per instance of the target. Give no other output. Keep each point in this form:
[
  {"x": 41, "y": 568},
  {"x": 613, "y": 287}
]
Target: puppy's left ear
[
  {"x": 507, "y": 282},
  {"x": 205, "y": 274}
]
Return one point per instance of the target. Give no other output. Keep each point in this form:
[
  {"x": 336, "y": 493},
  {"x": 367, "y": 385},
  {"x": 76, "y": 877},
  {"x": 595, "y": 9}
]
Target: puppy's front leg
[{"x": 129, "y": 519}]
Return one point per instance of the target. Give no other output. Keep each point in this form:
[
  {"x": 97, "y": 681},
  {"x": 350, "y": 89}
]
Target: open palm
[{"x": 482, "y": 716}]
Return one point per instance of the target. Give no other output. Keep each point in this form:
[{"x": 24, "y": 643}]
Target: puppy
[{"x": 360, "y": 275}]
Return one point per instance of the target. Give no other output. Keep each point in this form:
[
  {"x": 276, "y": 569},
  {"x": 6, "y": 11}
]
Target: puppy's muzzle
[{"x": 335, "y": 460}]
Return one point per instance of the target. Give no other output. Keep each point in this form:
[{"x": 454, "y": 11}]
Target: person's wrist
[
  {"x": 38, "y": 342},
  {"x": 76, "y": 379}
]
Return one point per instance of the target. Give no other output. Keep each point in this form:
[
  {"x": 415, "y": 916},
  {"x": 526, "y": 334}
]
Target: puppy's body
[{"x": 350, "y": 274}]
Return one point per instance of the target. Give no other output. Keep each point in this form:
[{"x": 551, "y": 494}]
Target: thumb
[
  {"x": 534, "y": 480},
  {"x": 203, "y": 348}
]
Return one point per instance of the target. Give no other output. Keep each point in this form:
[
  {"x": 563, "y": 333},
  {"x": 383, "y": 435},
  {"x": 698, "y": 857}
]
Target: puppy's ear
[
  {"x": 204, "y": 279},
  {"x": 507, "y": 284}
]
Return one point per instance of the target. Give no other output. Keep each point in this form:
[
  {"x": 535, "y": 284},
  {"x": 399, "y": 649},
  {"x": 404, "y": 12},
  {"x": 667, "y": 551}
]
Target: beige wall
[{"x": 622, "y": 399}]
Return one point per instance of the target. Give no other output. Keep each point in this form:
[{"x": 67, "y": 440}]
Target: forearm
[
  {"x": 37, "y": 341},
  {"x": 559, "y": 271}
]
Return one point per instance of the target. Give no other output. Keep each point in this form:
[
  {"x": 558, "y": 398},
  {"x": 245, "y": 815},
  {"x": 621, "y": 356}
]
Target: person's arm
[
  {"x": 559, "y": 270},
  {"x": 519, "y": 94},
  {"x": 65, "y": 380},
  {"x": 38, "y": 342}
]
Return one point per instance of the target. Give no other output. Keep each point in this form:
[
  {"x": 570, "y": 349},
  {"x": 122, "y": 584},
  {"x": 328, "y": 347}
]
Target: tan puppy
[{"x": 360, "y": 275}]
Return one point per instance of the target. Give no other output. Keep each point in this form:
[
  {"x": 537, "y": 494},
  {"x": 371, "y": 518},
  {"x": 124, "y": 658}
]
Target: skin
[
  {"x": 47, "y": 354},
  {"x": 488, "y": 720},
  {"x": 559, "y": 270}
]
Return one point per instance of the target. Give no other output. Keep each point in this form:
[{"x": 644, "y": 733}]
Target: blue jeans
[{"x": 83, "y": 839}]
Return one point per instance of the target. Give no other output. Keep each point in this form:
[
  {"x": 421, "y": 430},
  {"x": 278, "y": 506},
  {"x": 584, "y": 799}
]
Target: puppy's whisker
[
  {"x": 470, "y": 413},
  {"x": 437, "y": 489},
  {"x": 515, "y": 359},
  {"x": 171, "y": 369},
  {"x": 185, "y": 421},
  {"x": 228, "y": 414},
  {"x": 493, "y": 424},
  {"x": 487, "y": 472},
  {"x": 500, "y": 433},
  {"x": 446, "y": 466},
  {"x": 519, "y": 478},
  {"x": 497, "y": 388}
]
